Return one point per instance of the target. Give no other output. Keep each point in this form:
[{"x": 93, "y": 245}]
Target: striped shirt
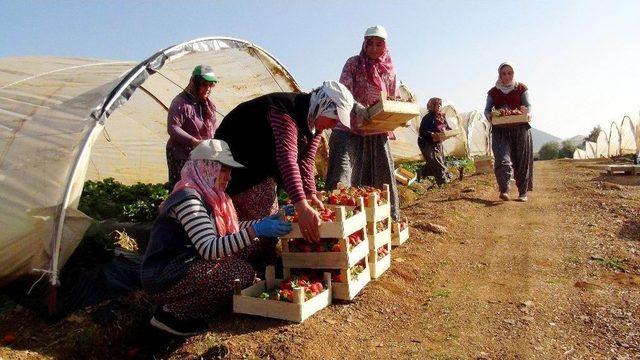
[
  {"x": 296, "y": 169},
  {"x": 202, "y": 231}
]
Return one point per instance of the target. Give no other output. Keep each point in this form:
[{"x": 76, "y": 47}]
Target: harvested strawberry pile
[
  {"x": 505, "y": 112},
  {"x": 382, "y": 225},
  {"x": 326, "y": 215},
  {"x": 381, "y": 252},
  {"x": 325, "y": 244},
  {"x": 348, "y": 196}
]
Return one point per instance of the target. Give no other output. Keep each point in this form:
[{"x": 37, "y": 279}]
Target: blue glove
[
  {"x": 272, "y": 226},
  {"x": 289, "y": 209}
]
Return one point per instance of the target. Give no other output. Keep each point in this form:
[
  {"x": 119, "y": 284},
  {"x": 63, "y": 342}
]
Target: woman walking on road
[
  {"x": 430, "y": 143},
  {"x": 512, "y": 144}
]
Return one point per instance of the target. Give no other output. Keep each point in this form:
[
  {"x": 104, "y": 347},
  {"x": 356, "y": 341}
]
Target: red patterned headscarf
[
  {"x": 202, "y": 176},
  {"x": 376, "y": 68},
  {"x": 431, "y": 106}
]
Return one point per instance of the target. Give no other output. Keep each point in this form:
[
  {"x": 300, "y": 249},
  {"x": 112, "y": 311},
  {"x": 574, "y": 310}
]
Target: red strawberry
[{"x": 9, "y": 338}]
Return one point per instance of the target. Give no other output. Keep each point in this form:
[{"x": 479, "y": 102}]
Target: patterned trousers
[{"x": 513, "y": 152}]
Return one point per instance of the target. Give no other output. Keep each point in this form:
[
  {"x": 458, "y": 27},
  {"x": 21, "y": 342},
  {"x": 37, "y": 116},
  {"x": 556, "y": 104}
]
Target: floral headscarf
[
  {"x": 376, "y": 68},
  {"x": 202, "y": 176}
]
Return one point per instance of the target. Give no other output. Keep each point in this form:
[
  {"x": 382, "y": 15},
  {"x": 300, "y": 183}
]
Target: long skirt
[
  {"x": 175, "y": 166},
  {"x": 356, "y": 160},
  {"x": 513, "y": 152},
  {"x": 206, "y": 289},
  {"x": 435, "y": 166}
]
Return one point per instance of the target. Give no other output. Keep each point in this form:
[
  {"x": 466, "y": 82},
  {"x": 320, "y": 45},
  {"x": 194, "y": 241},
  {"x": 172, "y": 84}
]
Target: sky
[{"x": 579, "y": 59}]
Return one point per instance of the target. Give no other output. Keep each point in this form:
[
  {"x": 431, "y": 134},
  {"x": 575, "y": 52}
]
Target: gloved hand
[
  {"x": 271, "y": 226},
  {"x": 288, "y": 209},
  {"x": 362, "y": 115}
]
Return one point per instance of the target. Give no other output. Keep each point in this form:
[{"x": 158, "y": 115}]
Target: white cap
[
  {"x": 377, "y": 31},
  {"x": 217, "y": 150}
]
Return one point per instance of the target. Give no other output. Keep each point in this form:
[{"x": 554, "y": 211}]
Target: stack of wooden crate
[
  {"x": 348, "y": 264},
  {"x": 379, "y": 232}
]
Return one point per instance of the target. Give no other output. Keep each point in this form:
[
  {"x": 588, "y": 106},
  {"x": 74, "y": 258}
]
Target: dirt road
[{"x": 556, "y": 277}]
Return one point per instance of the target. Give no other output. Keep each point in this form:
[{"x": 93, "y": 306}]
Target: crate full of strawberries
[
  {"x": 508, "y": 116},
  {"x": 328, "y": 253},
  {"x": 293, "y": 299},
  {"x": 337, "y": 221},
  {"x": 380, "y": 260},
  {"x": 376, "y": 201}
]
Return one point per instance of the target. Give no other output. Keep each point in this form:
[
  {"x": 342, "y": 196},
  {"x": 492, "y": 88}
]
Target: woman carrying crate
[
  {"x": 277, "y": 136},
  {"x": 198, "y": 247},
  {"x": 191, "y": 119},
  {"x": 359, "y": 157},
  {"x": 434, "y": 124},
  {"x": 512, "y": 143}
]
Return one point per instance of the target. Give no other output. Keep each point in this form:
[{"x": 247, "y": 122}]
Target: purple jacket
[{"x": 188, "y": 120}]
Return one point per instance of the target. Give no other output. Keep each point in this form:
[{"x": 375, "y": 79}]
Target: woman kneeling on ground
[
  {"x": 433, "y": 124},
  {"x": 197, "y": 246}
]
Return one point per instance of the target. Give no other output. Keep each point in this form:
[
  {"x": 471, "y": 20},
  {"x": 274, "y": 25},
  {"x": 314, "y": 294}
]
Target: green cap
[{"x": 206, "y": 72}]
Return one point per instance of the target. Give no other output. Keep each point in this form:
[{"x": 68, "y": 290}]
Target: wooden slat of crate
[
  {"x": 378, "y": 267},
  {"x": 349, "y": 290},
  {"x": 248, "y": 303},
  {"x": 376, "y": 212},
  {"x": 340, "y": 228},
  {"x": 399, "y": 237},
  {"x": 377, "y": 239},
  {"x": 325, "y": 260},
  {"x": 510, "y": 119},
  {"x": 447, "y": 134}
]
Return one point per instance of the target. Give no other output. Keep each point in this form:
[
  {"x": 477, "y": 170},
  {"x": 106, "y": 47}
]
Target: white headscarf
[
  {"x": 332, "y": 100},
  {"x": 506, "y": 88}
]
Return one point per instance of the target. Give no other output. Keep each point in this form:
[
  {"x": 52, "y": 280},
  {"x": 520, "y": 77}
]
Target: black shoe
[{"x": 169, "y": 323}]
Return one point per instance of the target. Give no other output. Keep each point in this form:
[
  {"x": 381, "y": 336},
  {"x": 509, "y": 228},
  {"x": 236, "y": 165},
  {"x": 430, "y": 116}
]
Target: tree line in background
[{"x": 555, "y": 150}]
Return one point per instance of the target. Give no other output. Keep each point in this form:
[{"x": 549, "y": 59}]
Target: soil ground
[{"x": 557, "y": 277}]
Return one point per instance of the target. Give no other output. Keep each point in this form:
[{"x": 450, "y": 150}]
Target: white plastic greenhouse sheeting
[
  {"x": 455, "y": 146},
  {"x": 627, "y": 137},
  {"x": 579, "y": 154},
  {"x": 614, "y": 139},
  {"x": 602, "y": 145},
  {"x": 52, "y": 115},
  {"x": 478, "y": 132},
  {"x": 590, "y": 148}
]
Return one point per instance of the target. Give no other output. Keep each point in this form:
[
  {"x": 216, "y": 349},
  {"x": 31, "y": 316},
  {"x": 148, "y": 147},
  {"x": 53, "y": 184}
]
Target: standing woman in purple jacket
[{"x": 191, "y": 119}]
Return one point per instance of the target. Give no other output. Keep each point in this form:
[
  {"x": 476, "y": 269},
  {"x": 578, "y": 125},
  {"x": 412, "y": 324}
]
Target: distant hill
[
  {"x": 577, "y": 140},
  {"x": 540, "y": 138}
]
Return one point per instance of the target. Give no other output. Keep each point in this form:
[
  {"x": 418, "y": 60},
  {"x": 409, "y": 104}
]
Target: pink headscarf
[
  {"x": 202, "y": 175},
  {"x": 376, "y": 68},
  {"x": 431, "y": 106}
]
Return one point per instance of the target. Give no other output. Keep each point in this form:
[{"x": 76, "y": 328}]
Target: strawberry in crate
[
  {"x": 285, "y": 293},
  {"x": 381, "y": 252}
]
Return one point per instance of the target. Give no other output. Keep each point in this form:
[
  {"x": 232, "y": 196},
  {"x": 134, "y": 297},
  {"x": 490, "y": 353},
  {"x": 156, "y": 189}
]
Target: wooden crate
[
  {"x": 246, "y": 301},
  {"x": 325, "y": 260},
  {"x": 378, "y": 267},
  {"x": 398, "y": 237},
  {"x": 338, "y": 229},
  {"x": 388, "y": 115},
  {"x": 483, "y": 166},
  {"x": 447, "y": 134},
  {"x": 623, "y": 169},
  {"x": 404, "y": 176},
  {"x": 377, "y": 239},
  {"x": 510, "y": 119}
]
